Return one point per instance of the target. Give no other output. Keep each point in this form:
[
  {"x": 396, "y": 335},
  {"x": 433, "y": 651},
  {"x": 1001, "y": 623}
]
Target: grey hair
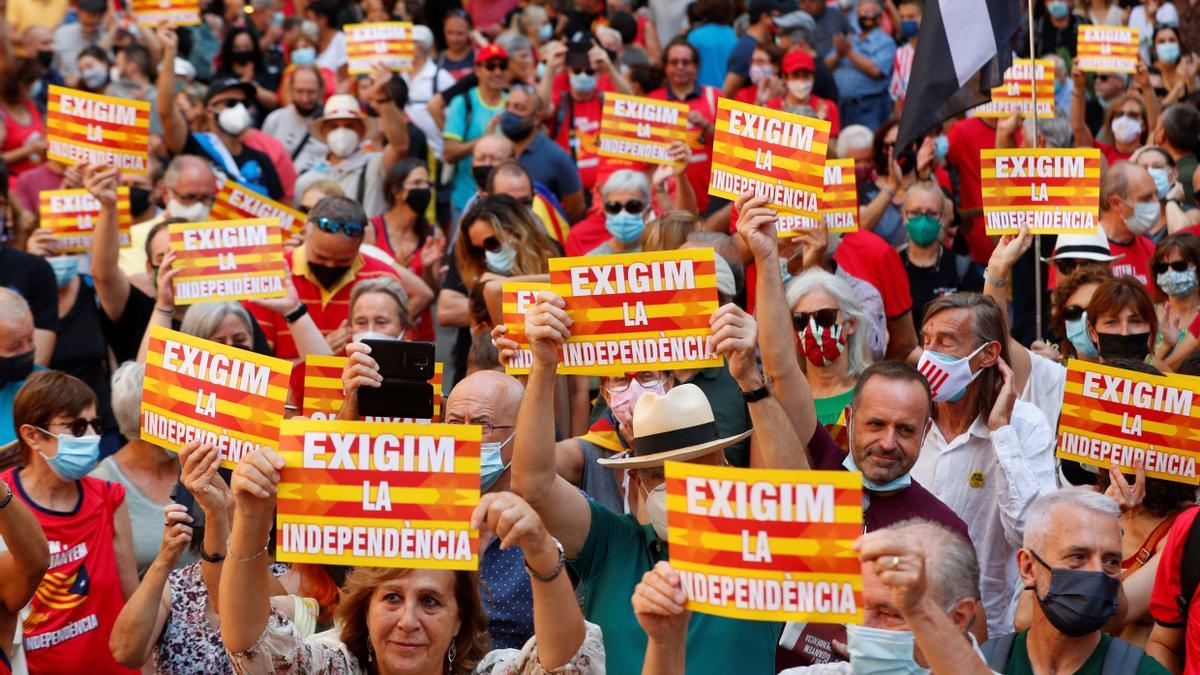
[
  {"x": 127, "y": 397},
  {"x": 854, "y": 137},
  {"x": 951, "y": 565},
  {"x": 13, "y": 306},
  {"x": 1056, "y": 130},
  {"x": 389, "y": 286},
  {"x": 529, "y": 91},
  {"x": 858, "y": 353},
  {"x": 1114, "y": 182},
  {"x": 180, "y": 164},
  {"x": 203, "y": 318},
  {"x": 1041, "y": 511},
  {"x": 626, "y": 179},
  {"x": 423, "y": 36},
  {"x": 513, "y": 42},
  {"x": 798, "y": 34}
]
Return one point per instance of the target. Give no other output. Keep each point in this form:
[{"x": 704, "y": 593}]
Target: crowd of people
[{"x": 424, "y": 191}]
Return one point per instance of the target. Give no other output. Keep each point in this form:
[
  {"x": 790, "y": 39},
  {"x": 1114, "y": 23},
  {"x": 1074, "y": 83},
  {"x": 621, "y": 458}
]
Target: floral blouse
[{"x": 282, "y": 651}]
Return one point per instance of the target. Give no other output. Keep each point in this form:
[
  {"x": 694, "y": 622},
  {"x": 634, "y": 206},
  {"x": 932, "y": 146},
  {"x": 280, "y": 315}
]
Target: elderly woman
[
  {"x": 1174, "y": 266},
  {"x": 831, "y": 337},
  {"x": 628, "y": 203},
  {"x": 399, "y": 621},
  {"x": 379, "y": 309},
  {"x": 92, "y": 569},
  {"x": 148, "y": 473}
]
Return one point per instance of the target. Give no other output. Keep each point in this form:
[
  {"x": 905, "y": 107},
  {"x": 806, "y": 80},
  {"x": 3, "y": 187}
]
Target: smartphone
[
  {"x": 907, "y": 160},
  {"x": 181, "y": 496},
  {"x": 401, "y": 359},
  {"x": 397, "y": 398}
]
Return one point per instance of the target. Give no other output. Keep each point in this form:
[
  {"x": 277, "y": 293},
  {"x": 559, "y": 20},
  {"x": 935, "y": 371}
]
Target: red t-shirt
[
  {"x": 825, "y": 109},
  {"x": 1111, "y": 153},
  {"x": 576, "y": 125},
  {"x": 967, "y": 137},
  {"x": 704, "y": 101},
  {"x": 1168, "y": 585},
  {"x": 76, "y": 605},
  {"x": 423, "y": 330},
  {"x": 868, "y": 256},
  {"x": 1136, "y": 260}
]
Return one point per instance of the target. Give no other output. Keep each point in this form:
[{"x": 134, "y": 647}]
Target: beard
[{"x": 893, "y": 465}]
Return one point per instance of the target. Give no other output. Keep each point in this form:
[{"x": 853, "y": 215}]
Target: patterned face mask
[{"x": 820, "y": 345}]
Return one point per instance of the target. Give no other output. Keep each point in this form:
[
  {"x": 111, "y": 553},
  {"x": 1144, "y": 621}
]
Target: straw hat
[
  {"x": 337, "y": 107},
  {"x": 678, "y": 426},
  {"x": 1089, "y": 246}
]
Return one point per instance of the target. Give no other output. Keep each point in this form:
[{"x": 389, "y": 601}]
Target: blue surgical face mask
[
  {"x": 304, "y": 56},
  {"x": 1167, "y": 52},
  {"x": 941, "y": 146},
  {"x": 1058, "y": 8},
  {"x": 65, "y": 268},
  {"x": 491, "y": 464},
  {"x": 546, "y": 32},
  {"x": 1078, "y": 335},
  {"x": 1177, "y": 284},
  {"x": 909, "y": 28},
  {"x": 625, "y": 227},
  {"x": 76, "y": 457},
  {"x": 898, "y": 484},
  {"x": 1162, "y": 180},
  {"x": 583, "y": 82},
  {"x": 877, "y": 651},
  {"x": 502, "y": 261}
]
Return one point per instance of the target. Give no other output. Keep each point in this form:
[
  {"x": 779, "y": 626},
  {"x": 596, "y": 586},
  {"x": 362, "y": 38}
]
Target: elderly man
[
  {"x": 189, "y": 191},
  {"x": 933, "y": 270},
  {"x": 1071, "y": 560},
  {"x": 16, "y": 356},
  {"x": 546, "y": 162},
  {"x": 291, "y": 124},
  {"x": 1129, "y": 207},
  {"x": 424, "y": 80}
]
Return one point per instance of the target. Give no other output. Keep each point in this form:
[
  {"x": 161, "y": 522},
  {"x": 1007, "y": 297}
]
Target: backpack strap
[
  {"x": 1121, "y": 658},
  {"x": 300, "y": 147},
  {"x": 997, "y": 650},
  {"x": 362, "y": 183}
]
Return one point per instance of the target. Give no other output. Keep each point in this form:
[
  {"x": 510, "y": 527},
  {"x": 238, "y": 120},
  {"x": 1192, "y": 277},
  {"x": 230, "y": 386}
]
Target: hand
[
  {"x": 101, "y": 182},
  {"x": 42, "y": 242},
  {"x": 1188, "y": 66},
  {"x": 515, "y": 523},
  {"x": 659, "y": 604},
  {"x": 598, "y": 58},
  {"x": 1079, "y": 78},
  {"x": 376, "y": 91},
  {"x": 434, "y": 251},
  {"x": 166, "y": 280},
  {"x": 281, "y": 306},
  {"x": 842, "y": 45},
  {"x": 293, "y": 242},
  {"x": 1008, "y": 126},
  {"x": 199, "y": 475},
  {"x": 177, "y": 533},
  {"x": 491, "y": 125},
  {"x": 900, "y": 565},
  {"x": 815, "y": 243},
  {"x": 1128, "y": 497},
  {"x": 360, "y": 371},
  {"x": 662, "y": 174},
  {"x": 1007, "y": 252},
  {"x": 1046, "y": 350},
  {"x": 756, "y": 225},
  {"x": 1175, "y": 192},
  {"x": 72, "y": 178},
  {"x": 681, "y": 154},
  {"x": 547, "y": 327},
  {"x": 339, "y": 337},
  {"x": 506, "y": 347},
  {"x": 169, "y": 40},
  {"x": 1001, "y": 412},
  {"x": 1142, "y": 76},
  {"x": 35, "y": 146},
  {"x": 554, "y": 54},
  {"x": 700, "y": 121},
  {"x": 734, "y": 335},
  {"x": 256, "y": 482},
  {"x": 925, "y": 155}
]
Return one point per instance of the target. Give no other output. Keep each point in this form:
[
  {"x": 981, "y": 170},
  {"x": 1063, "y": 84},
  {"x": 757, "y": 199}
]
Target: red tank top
[
  {"x": 16, "y": 135},
  {"x": 423, "y": 330},
  {"x": 74, "y": 609}
]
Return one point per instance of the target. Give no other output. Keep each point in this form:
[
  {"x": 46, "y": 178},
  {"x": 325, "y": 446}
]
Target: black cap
[
  {"x": 759, "y": 7},
  {"x": 225, "y": 84},
  {"x": 93, "y": 6}
]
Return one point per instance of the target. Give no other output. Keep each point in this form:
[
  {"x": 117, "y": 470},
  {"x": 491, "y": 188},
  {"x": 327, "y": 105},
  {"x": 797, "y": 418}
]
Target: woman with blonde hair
[{"x": 498, "y": 237}]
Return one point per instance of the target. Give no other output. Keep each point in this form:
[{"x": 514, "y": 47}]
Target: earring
[
  {"x": 370, "y": 651},
  {"x": 452, "y": 653}
]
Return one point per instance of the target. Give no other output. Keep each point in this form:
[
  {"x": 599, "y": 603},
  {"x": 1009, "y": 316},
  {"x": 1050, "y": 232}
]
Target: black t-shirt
[
  {"x": 468, "y": 81},
  {"x": 418, "y": 145},
  {"x": 33, "y": 278},
  {"x": 82, "y": 348},
  {"x": 951, "y": 274},
  {"x": 462, "y": 338},
  {"x": 268, "y": 177}
]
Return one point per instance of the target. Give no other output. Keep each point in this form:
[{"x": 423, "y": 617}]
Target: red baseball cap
[
  {"x": 798, "y": 59},
  {"x": 492, "y": 51}
]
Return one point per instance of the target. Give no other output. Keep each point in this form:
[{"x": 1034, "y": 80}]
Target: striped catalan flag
[
  {"x": 1013, "y": 96},
  {"x": 639, "y": 128},
  {"x": 71, "y": 215},
  {"x": 235, "y": 202},
  {"x": 153, "y": 13},
  {"x": 386, "y": 42},
  {"x": 323, "y": 387},
  {"x": 840, "y": 205},
  {"x": 1061, "y": 185},
  {"x": 1107, "y": 49},
  {"x": 101, "y": 130}
]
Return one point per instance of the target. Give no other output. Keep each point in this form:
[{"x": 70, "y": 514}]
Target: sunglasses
[
  {"x": 825, "y": 318},
  {"x": 1178, "y": 266},
  {"x": 228, "y": 103},
  {"x": 494, "y": 65},
  {"x": 79, "y": 427},
  {"x": 633, "y": 206},
  {"x": 492, "y": 244},
  {"x": 332, "y": 226},
  {"x": 1066, "y": 265},
  {"x": 589, "y": 71},
  {"x": 1073, "y": 312}
]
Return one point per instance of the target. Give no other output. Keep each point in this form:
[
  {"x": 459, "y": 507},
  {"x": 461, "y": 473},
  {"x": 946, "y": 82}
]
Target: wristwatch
[
  {"x": 294, "y": 315},
  {"x": 756, "y": 395},
  {"x": 553, "y": 574},
  {"x": 214, "y": 558}
]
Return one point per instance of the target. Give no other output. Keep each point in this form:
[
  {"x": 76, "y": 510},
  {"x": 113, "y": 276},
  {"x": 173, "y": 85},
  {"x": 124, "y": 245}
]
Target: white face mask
[
  {"x": 948, "y": 377},
  {"x": 196, "y": 213},
  {"x": 235, "y": 120},
  {"x": 371, "y": 335},
  {"x": 1145, "y": 214},
  {"x": 342, "y": 141},
  {"x": 801, "y": 89},
  {"x": 1126, "y": 129},
  {"x": 656, "y": 508}
]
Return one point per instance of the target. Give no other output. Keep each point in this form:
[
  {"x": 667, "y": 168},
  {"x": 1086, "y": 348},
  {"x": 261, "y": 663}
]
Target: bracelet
[
  {"x": 756, "y": 395},
  {"x": 998, "y": 283},
  {"x": 243, "y": 559},
  {"x": 294, "y": 315},
  {"x": 4, "y": 502},
  {"x": 214, "y": 558},
  {"x": 558, "y": 567},
  {"x": 164, "y": 310}
]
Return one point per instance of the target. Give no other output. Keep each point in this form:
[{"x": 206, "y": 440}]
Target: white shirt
[
  {"x": 1166, "y": 14},
  {"x": 292, "y": 129},
  {"x": 421, "y": 88},
  {"x": 989, "y": 478},
  {"x": 365, "y": 168},
  {"x": 1044, "y": 388},
  {"x": 334, "y": 55}
]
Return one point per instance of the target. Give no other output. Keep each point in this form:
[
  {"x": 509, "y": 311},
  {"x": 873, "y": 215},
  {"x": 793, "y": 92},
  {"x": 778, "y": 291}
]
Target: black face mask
[
  {"x": 1077, "y": 602},
  {"x": 139, "y": 200},
  {"x": 480, "y": 174},
  {"x": 327, "y": 276},
  {"x": 242, "y": 57},
  {"x": 418, "y": 199},
  {"x": 45, "y": 57},
  {"x": 1112, "y": 346},
  {"x": 17, "y": 367},
  {"x": 307, "y": 112}
]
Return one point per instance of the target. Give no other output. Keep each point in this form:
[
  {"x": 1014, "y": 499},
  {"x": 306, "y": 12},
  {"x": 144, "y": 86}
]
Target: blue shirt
[
  {"x": 8, "y": 391},
  {"x": 853, "y": 83},
  {"x": 740, "y": 57},
  {"x": 715, "y": 43},
  {"x": 550, "y": 165},
  {"x": 507, "y": 596},
  {"x": 460, "y": 128}
]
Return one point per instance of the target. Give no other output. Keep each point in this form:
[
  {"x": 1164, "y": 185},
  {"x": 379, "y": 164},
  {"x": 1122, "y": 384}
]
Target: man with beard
[{"x": 290, "y": 124}]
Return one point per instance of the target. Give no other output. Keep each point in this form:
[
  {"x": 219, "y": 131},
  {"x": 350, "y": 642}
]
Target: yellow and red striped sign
[
  {"x": 1014, "y": 97},
  {"x": 202, "y": 390},
  {"x": 637, "y": 311},
  {"x": 386, "y": 42},
  {"x": 71, "y": 215},
  {"x": 840, "y": 205},
  {"x": 98, "y": 129},
  {"x": 1107, "y": 49},
  {"x": 1050, "y": 191},
  {"x": 773, "y": 153},
  {"x": 516, "y": 297},
  {"x": 641, "y": 129},
  {"x": 234, "y": 202},
  {"x": 323, "y": 388},
  {"x": 152, "y": 13},
  {"x": 378, "y": 494},
  {"x": 766, "y": 545},
  {"x": 1112, "y": 416},
  {"x": 228, "y": 260}
]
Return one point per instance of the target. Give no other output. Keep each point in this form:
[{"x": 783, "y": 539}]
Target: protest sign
[
  {"x": 386, "y": 42},
  {"x": 1048, "y": 191},
  {"x": 766, "y": 545},
  {"x": 1112, "y": 416},
  {"x": 1014, "y": 96},
  {"x": 202, "y": 390},
  {"x": 228, "y": 260},
  {"x": 637, "y": 311},
  {"x": 516, "y": 297},
  {"x": 153, "y": 13},
  {"x": 234, "y": 202},
  {"x": 323, "y": 389},
  {"x": 378, "y": 494},
  {"x": 773, "y": 153},
  {"x": 840, "y": 205},
  {"x": 1107, "y": 49},
  {"x": 71, "y": 215},
  {"x": 100, "y": 130},
  {"x": 640, "y": 129}
]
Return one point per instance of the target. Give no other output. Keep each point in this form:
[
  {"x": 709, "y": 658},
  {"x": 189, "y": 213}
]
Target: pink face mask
[{"x": 622, "y": 402}]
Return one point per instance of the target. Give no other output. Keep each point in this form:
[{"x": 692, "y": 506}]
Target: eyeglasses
[
  {"x": 79, "y": 427},
  {"x": 495, "y": 64},
  {"x": 1073, "y": 312},
  {"x": 633, "y": 206},
  {"x": 485, "y": 428},
  {"x": 228, "y": 103},
  {"x": 1178, "y": 266},
  {"x": 616, "y": 385},
  {"x": 932, "y": 214},
  {"x": 680, "y": 63},
  {"x": 1105, "y": 76},
  {"x": 353, "y": 230},
  {"x": 1067, "y": 265},
  {"x": 189, "y": 199},
  {"x": 589, "y": 71},
  {"x": 825, "y": 318}
]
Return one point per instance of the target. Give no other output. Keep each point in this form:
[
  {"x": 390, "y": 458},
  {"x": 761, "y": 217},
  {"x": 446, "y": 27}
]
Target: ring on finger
[{"x": 895, "y": 561}]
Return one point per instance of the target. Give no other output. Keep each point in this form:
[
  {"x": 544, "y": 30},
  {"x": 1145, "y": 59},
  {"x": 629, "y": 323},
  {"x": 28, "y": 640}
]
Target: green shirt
[
  {"x": 618, "y": 551},
  {"x": 829, "y": 409},
  {"x": 1018, "y": 659}
]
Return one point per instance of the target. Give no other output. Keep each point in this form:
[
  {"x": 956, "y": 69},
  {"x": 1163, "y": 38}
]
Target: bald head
[
  {"x": 16, "y": 324},
  {"x": 192, "y": 170},
  {"x": 491, "y": 150},
  {"x": 37, "y": 39},
  {"x": 1125, "y": 182},
  {"x": 489, "y": 398}
]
